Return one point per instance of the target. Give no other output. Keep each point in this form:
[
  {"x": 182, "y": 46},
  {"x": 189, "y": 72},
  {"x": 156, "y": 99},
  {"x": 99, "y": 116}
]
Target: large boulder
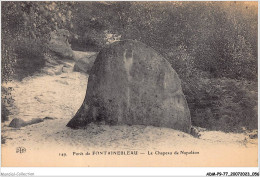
[
  {"x": 59, "y": 43},
  {"x": 130, "y": 83}
]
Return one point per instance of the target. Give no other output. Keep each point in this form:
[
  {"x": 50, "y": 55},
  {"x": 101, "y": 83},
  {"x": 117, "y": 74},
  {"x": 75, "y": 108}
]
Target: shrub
[{"x": 222, "y": 104}]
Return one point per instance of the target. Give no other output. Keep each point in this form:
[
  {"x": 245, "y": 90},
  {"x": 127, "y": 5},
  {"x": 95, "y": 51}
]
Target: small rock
[
  {"x": 3, "y": 140},
  {"x": 67, "y": 69},
  {"x": 195, "y": 132},
  {"x": 52, "y": 70},
  {"x": 49, "y": 118},
  {"x": 34, "y": 121},
  {"x": 38, "y": 99},
  {"x": 17, "y": 123},
  {"x": 48, "y": 72},
  {"x": 58, "y": 70},
  {"x": 62, "y": 82},
  {"x": 253, "y": 136},
  {"x": 50, "y": 61}
]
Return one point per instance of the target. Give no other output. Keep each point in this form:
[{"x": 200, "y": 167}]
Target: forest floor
[{"x": 60, "y": 96}]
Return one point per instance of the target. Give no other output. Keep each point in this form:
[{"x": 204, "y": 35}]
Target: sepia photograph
[{"x": 129, "y": 84}]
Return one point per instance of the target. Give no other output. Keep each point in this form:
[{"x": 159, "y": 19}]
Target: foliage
[{"x": 222, "y": 104}]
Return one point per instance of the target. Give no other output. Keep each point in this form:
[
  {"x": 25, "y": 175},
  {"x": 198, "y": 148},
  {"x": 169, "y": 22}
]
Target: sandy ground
[{"x": 60, "y": 96}]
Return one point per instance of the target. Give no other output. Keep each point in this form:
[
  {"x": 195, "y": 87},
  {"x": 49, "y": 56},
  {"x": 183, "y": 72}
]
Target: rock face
[
  {"x": 59, "y": 43},
  {"x": 131, "y": 84}
]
